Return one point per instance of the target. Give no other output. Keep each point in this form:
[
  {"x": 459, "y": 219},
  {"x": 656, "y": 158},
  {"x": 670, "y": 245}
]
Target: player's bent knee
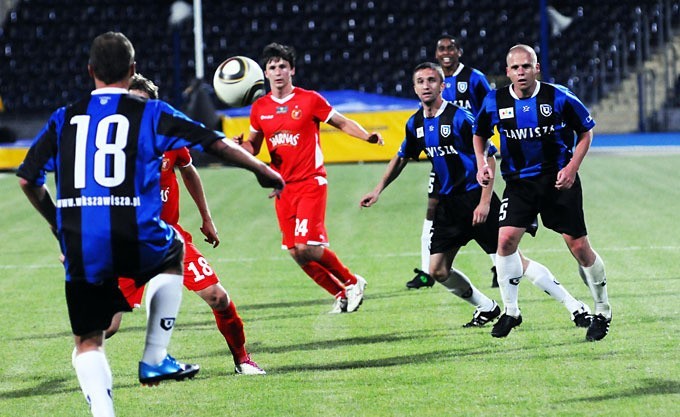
[
  {"x": 215, "y": 296},
  {"x": 440, "y": 274}
]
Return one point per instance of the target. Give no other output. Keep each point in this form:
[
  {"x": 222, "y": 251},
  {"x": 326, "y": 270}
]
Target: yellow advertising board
[{"x": 387, "y": 115}]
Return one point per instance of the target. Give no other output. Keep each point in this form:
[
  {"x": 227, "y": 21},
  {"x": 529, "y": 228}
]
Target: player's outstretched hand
[
  {"x": 375, "y": 137},
  {"x": 210, "y": 232},
  {"x": 369, "y": 199},
  {"x": 268, "y": 178},
  {"x": 238, "y": 139},
  {"x": 484, "y": 175}
]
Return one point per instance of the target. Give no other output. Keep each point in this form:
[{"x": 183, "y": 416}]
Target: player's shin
[
  {"x": 230, "y": 326},
  {"x": 163, "y": 298},
  {"x": 94, "y": 376},
  {"x": 541, "y": 277},
  {"x": 509, "y": 269},
  {"x": 594, "y": 276},
  {"x": 425, "y": 239},
  {"x": 459, "y": 284}
]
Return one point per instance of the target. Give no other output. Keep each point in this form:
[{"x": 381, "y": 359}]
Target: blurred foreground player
[
  {"x": 199, "y": 275},
  {"x": 106, "y": 151}
]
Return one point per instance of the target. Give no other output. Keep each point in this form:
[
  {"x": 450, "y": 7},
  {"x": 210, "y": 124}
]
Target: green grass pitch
[{"x": 404, "y": 353}]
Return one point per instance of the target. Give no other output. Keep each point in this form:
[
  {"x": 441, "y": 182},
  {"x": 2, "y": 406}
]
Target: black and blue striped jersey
[
  {"x": 106, "y": 152},
  {"x": 466, "y": 88},
  {"x": 446, "y": 140},
  {"x": 537, "y": 134}
]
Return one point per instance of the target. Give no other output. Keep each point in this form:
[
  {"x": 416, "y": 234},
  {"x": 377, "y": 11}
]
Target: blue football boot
[{"x": 169, "y": 368}]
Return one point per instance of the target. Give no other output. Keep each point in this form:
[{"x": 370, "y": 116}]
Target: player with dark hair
[
  {"x": 287, "y": 119},
  {"x": 106, "y": 151},
  {"x": 199, "y": 275},
  {"x": 466, "y": 87},
  {"x": 545, "y": 133},
  {"x": 465, "y": 210}
]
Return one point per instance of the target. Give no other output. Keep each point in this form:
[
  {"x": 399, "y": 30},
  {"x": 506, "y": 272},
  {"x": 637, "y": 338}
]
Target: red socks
[
  {"x": 231, "y": 326},
  {"x": 330, "y": 261},
  {"x": 324, "y": 279}
]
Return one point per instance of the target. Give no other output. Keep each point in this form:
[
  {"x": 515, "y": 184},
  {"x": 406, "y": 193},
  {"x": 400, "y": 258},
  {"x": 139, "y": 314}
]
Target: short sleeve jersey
[
  {"x": 106, "y": 151},
  {"x": 446, "y": 140},
  {"x": 169, "y": 187},
  {"x": 466, "y": 88},
  {"x": 537, "y": 134},
  {"x": 291, "y": 130}
]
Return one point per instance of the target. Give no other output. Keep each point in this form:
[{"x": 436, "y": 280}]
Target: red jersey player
[
  {"x": 288, "y": 119},
  {"x": 199, "y": 276}
]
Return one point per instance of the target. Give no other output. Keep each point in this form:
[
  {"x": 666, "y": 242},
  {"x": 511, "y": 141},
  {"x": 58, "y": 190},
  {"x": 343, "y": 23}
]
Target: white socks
[
  {"x": 163, "y": 298},
  {"x": 94, "y": 376},
  {"x": 541, "y": 277},
  {"x": 509, "y": 270},
  {"x": 458, "y": 284},
  {"x": 596, "y": 279},
  {"x": 425, "y": 239}
]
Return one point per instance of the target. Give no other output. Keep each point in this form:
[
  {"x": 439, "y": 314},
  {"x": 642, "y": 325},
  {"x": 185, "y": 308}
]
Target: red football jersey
[
  {"x": 291, "y": 131},
  {"x": 169, "y": 187}
]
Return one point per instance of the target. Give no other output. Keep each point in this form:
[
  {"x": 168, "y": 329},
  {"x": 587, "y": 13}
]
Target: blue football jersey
[
  {"x": 106, "y": 152},
  {"x": 467, "y": 88},
  {"x": 446, "y": 140},
  {"x": 537, "y": 134}
]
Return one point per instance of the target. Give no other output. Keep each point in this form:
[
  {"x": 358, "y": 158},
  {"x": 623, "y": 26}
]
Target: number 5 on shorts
[{"x": 502, "y": 211}]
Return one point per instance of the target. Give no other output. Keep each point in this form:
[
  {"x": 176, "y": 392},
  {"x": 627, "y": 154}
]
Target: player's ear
[{"x": 90, "y": 71}]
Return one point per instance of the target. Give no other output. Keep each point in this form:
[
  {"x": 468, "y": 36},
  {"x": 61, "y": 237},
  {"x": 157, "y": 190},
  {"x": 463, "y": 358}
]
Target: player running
[
  {"x": 287, "y": 119},
  {"x": 199, "y": 275}
]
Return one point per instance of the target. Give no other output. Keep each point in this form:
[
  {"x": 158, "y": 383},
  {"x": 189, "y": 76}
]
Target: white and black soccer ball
[{"x": 238, "y": 81}]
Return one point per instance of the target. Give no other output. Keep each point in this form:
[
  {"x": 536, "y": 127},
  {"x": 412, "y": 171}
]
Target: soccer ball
[{"x": 238, "y": 81}]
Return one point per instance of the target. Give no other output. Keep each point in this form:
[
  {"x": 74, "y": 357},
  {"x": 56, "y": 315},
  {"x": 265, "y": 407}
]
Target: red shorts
[
  {"x": 198, "y": 274},
  {"x": 301, "y": 211}
]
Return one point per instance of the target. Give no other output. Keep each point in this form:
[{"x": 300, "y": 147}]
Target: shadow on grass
[
  {"x": 328, "y": 344},
  {"x": 52, "y": 386},
  {"x": 306, "y": 303},
  {"x": 649, "y": 387}
]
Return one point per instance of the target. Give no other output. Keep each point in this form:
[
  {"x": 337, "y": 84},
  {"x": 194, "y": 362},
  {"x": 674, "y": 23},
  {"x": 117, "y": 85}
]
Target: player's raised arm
[
  {"x": 253, "y": 144},
  {"x": 353, "y": 128},
  {"x": 234, "y": 154}
]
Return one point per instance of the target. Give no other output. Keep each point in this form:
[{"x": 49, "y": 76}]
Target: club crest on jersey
[
  {"x": 296, "y": 113},
  {"x": 506, "y": 113},
  {"x": 445, "y": 130},
  {"x": 462, "y": 86},
  {"x": 164, "y": 164},
  {"x": 419, "y": 132},
  {"x": 167, "y": 323},
  {"x": 281, "y": 109},
  {"x": 546, "y": 109}
]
